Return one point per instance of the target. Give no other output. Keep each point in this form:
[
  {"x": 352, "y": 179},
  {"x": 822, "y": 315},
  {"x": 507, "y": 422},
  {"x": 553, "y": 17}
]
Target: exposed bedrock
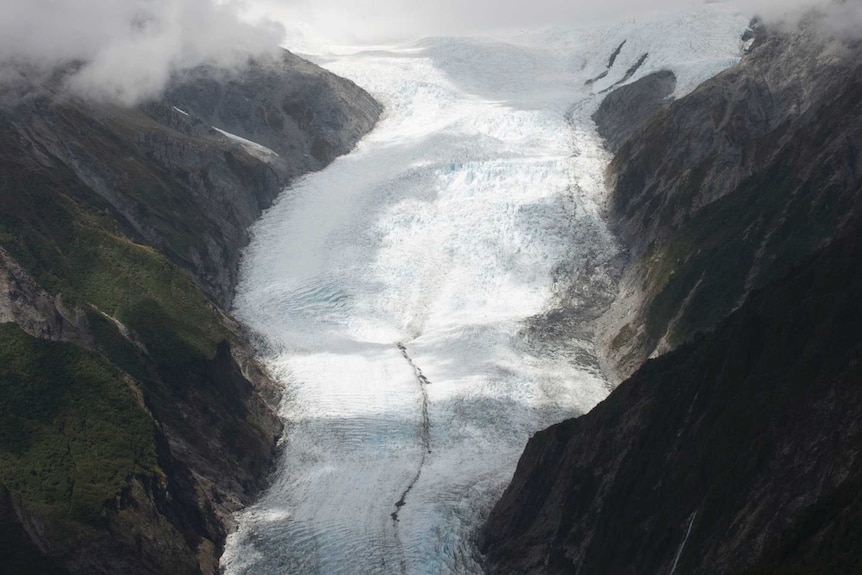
[
  {"x": 625, "y": 110},
  {"x": 737, "y": 453}
]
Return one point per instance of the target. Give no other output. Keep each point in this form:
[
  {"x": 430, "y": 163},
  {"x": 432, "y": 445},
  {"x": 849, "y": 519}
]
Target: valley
[{"x": 408, "y": 296}]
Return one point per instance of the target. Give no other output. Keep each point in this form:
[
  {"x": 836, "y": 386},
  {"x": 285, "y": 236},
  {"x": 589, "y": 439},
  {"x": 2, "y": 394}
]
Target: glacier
[{"x": 393, "y": 290}]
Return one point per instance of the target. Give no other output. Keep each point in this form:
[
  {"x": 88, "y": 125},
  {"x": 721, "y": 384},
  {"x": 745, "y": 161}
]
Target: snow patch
[{"x": 253, "y": 148}]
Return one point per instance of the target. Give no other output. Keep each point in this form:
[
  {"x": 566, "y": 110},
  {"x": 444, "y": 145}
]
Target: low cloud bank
[
  {"x": 844, "y": 19},
  {"x": 128, "y": 49},
  {"x": 321, "y": 22}
]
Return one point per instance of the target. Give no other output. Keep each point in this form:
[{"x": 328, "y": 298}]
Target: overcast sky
[
  {"x": 392, "y": 20},
  {"x": 133, "y": 46}
]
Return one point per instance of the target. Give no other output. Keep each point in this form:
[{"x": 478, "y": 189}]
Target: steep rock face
[
  {"x": 737, "y": 452},
  {"x": 134, "y": 420},
  {"x": 24, "y": 302},
  {"x": 729, "y": 187},
  {"x": 625, "y": 110},
  {"x": 305, "y": 114},
  {"x": 175, "y": 182}
]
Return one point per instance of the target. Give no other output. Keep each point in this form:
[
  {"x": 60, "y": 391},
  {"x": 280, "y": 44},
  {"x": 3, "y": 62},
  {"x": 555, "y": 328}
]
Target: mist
[
  {"x": 844, "y": 19},
  {"x": 128, "y": 49},
  {"x": 315, "y": 23}
]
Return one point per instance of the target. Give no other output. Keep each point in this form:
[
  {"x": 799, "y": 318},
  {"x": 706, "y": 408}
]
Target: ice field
[{"x": 392, "y": 289}]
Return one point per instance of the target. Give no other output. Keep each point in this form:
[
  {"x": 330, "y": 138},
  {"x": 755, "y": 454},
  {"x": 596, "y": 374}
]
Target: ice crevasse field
[{"x": 394, "y": 288}]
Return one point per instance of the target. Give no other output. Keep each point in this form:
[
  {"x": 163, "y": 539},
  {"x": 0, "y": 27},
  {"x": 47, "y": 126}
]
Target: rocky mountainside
[
  {"x": 738, "y": 451},
  {"x": 133, "y": 419},
  {"x": 169, "y": 171},
  {"x": 730, "y": 187},
  {"x": 625, "y": 110}
]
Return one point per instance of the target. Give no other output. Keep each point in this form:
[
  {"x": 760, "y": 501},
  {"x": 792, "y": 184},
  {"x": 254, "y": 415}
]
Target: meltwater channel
[{"x": 394, "y": 288}]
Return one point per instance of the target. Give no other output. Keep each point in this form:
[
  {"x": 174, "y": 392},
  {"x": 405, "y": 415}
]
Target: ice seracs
[{"x": 471, "y": 208}]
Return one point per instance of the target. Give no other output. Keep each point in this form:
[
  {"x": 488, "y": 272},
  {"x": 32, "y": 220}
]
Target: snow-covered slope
[{"x": 394, "y": 287}]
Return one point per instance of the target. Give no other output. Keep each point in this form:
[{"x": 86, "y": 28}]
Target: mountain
[
  {"x": 730, "y": 187},
  {"x": 134, "y": 419},
  {"x": 734, "y": 450}
]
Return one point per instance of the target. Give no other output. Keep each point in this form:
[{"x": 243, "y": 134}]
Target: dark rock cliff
[
  {"x": 625, "y": 110},
  {"x": 133, "y": 419},
  {"x": 739, "y": 451},
  {"x": 729, "y": 187}
]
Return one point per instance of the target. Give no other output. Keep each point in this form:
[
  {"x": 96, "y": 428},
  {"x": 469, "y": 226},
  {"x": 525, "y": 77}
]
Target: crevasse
[{"x": 469, "y": 210}]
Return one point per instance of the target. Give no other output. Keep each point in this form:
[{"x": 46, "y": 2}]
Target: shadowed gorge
[{"x": 730, "y": 187}]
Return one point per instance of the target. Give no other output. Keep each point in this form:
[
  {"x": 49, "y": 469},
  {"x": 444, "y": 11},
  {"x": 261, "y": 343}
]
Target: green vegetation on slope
[
  {"x": 132, "y": 220},
  {"x": 82, "y": 256},
  {"x": 72, "y": 429},
  {"x": 75, "y": 425}
]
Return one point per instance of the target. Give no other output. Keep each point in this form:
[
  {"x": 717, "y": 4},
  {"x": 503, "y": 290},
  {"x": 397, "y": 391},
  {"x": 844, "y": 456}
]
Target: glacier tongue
[{"x": 393, "y": 288}]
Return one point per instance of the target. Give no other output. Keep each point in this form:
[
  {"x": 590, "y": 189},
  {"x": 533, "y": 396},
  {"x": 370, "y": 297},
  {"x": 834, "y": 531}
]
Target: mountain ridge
[
  {"x": 120, "y": 234},
  {"x": 733, "y": 450},
  {"x": 758, "y": 134}
]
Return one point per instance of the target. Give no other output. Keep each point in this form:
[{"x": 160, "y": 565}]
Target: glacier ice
[{"x": 442, "y": 233}]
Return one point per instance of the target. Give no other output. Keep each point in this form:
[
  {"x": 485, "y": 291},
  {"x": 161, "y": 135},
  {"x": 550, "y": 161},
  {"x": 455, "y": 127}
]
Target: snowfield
[{"x": 393, "y": 289}]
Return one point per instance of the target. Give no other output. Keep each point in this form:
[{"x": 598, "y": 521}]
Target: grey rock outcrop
[
  {"x": 303, "y": 113},
  {"x": 736, "y": 454},
  {"x": 24, "y": 302}
]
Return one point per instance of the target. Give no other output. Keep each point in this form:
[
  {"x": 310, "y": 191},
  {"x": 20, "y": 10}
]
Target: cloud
[
  {"x": 844, "y": 19},
  {"x": 129, "y": 48},
  {"x": 319, "y": 22},
  {"x": 833, "y": 19}
]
